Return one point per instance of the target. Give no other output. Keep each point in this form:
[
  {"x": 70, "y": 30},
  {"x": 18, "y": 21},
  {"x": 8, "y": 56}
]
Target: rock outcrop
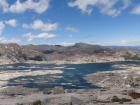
[{"x": 14, "y": 53}]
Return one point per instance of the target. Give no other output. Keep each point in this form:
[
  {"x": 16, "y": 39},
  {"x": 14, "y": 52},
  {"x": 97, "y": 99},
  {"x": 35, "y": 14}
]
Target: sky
[{"x": 105, "y": 22}]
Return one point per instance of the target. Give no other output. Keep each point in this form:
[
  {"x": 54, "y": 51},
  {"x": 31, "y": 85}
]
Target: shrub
[
  {"x": 115, "y": 99},
  {"x": 129, "y": 56},
  {"x": 38, "y": 102},
  {"x": 120, "y": 100},
  {"x": 125, "y": 100},
  {"x": 134, "y": 94}
]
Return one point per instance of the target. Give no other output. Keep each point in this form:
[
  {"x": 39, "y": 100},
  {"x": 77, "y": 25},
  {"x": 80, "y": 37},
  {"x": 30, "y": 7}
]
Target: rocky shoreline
[
  {"x": 129, "y": 76},
  {"x": 76, "y": 60},
  {"x": 73, "y": 60}
]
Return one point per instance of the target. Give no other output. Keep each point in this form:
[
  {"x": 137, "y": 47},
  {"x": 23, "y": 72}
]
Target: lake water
[{"x": 72, "y": 78}]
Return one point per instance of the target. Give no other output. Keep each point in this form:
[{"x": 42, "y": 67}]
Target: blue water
[{"x": 72, "y": 78}]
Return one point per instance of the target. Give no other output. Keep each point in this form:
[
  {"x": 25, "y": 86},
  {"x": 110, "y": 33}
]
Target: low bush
[
  {"x": 120, "y": 100},
  {"x": 115, "y": 99},
  {"x": 38, "y": 102},
  {"x": 134, "y": 94}
]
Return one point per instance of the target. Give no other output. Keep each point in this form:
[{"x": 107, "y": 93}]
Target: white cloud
[
  {"x": 136, "y": 10},
  {"x": 39, "y": 25},
  {"x": 107, "y": 7},
  {"x": 31, "y": 36},
  {"x": 4, "y": 5},
  {"x": 45, "y": 28},
  {"x": 71, "y": 29},
  {"x": 130, "y": 42},
  {"x": 123, "y": 43},
  {"x": 2, "y": 26},
  {"x": 67, "y": 43},
  {"x": 11, "y": 22},
  {"x": 39, "y": 6},
  {"x": 7, "y": 40},
  {"x": 4, "y": 39},
  {"x": 83, "y": 5}
]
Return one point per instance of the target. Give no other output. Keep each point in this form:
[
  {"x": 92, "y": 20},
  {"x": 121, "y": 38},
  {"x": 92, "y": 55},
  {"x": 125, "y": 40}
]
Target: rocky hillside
[
  {"x": 78, "y": 48},
  {"x": 58, "y": 52},
  {"x": 12, "y": 52}
]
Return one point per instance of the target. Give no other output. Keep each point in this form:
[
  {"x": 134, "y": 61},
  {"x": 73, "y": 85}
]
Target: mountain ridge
[{"x": 14, "y": 53}]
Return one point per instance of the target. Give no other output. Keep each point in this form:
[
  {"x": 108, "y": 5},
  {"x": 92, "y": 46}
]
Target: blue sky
[{"x": 106, "y": 22}]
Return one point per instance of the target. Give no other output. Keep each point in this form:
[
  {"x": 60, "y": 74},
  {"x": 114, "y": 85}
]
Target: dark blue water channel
[{"x": 71, "y": 78}]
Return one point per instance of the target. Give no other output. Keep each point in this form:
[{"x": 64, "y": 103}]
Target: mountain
[
  {"x": 13, "y": 52},
  {"x": 79, "y": 50},
  {"x": 134, "y": 48}
]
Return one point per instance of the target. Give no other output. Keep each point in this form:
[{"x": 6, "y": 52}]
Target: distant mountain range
[
  {"x": 78, "y": 48},
  {"x": 137, "y": 48},
  {"x": 13, "y": 52}
]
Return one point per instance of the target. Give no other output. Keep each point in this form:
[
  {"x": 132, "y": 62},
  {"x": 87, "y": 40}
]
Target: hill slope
[{"x": 14, "y": 53}]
